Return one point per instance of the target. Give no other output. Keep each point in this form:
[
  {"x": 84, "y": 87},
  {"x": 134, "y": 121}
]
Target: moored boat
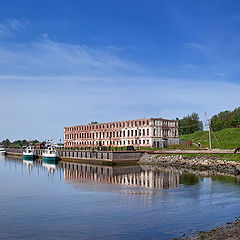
[
  {"x": 29, "y": 153},
  {"x": 2, "y": 151},
  {"x": 50, "y": 154}
]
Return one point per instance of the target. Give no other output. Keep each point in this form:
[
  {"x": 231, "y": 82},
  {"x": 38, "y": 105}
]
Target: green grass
[{"x": 228, "y": 138}]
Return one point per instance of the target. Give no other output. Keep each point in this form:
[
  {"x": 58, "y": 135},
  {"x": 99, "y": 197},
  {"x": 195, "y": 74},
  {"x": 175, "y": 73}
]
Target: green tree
[
  {"x": 190, "y": 124},
  {"x": 226, "y": 119},
  {"x": 6, "y": 143}
]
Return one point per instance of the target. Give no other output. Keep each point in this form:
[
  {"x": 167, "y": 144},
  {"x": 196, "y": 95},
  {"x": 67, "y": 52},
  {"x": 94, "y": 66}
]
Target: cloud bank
[{"x": 47, "y": 85}]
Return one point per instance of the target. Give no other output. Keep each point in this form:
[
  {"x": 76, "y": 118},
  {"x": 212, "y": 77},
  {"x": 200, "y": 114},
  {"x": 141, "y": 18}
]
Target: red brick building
[{"x": 150, "y": 132}]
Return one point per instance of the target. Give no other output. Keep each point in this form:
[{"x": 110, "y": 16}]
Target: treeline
[
  {"x": 18, "y": 143},
  {"x": 189, "y": 124},
  {"x": 226, "y": 119}
]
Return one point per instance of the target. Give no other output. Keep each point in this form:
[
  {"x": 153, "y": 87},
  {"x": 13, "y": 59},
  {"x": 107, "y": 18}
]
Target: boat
[
  {"x": 29, "y": 153},
  {"x": 50, "y": 154},
  {"x": 2, "y": 151}
]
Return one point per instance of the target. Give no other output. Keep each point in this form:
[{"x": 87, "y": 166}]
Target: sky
[{"x": 70, "y": 62}]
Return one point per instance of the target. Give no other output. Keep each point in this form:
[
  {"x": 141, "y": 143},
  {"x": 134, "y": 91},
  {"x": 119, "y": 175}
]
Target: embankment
[{"x": 199, "y": 162}]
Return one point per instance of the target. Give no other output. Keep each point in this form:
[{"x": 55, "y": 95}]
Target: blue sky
[{"x": 71, "y": 62}]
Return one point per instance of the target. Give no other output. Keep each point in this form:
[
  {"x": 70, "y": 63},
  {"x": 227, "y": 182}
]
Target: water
[{"x": 81, "y": 201}]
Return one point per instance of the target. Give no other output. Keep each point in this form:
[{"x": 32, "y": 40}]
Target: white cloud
[
  {"x": 9, "y": 27},
  {"x": 63, "y": 84},
  {"x": 60, "y": 59}
]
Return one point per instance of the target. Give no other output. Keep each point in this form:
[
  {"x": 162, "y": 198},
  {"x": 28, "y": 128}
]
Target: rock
[{"x": 198, "y": 162}]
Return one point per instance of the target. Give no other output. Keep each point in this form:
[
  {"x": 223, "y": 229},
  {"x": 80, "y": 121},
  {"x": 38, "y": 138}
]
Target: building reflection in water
[{"x": 138, "y": 176}]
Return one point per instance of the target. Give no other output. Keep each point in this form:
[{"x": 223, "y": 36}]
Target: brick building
[{"x": 147, "y": 132}]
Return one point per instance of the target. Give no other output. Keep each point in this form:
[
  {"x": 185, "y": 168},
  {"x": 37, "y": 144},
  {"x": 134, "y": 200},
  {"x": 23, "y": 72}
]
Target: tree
[
  {"x": 190, "y": 124},
  {"x": 6, "y": 143},
  {"x": 226, "y": 119},
  {"x": 93, "y": 122}
]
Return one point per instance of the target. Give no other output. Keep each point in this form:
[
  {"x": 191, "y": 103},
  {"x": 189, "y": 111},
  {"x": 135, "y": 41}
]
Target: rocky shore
[
  {"x": 200, "y": 162},
  {"x": 230, "y": 231}
]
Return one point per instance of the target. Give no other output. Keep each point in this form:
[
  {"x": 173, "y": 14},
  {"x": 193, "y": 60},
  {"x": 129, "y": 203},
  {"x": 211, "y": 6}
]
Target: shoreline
[
  {"x": 198, "y": 162},
  {"x": 228, "y": 231}
]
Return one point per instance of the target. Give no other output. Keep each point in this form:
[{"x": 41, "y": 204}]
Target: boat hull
[
  {"x": 29, "y": 157},
  {"x": 2, "y": 153},
  {"x": 50, "y": 159}
]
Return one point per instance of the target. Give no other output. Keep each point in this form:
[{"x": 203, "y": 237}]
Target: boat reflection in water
[
  {"x": 136, "y": 176},
  {"x": 49, "y": 166},
  {"x": 28, "y": 163}
]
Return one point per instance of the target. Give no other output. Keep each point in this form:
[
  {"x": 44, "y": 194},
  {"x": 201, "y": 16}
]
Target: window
[{"x": 147, "y": 131}]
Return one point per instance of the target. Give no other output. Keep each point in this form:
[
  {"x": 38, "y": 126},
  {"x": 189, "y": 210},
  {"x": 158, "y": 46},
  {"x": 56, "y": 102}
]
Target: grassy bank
[{"x": 228, "y": 138}]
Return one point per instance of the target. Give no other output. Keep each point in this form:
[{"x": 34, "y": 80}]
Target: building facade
[{"x": 150, "y": 132}]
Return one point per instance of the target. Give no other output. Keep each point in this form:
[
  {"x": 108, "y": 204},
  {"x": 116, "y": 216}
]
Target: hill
[{"x": 229, "y": 138}]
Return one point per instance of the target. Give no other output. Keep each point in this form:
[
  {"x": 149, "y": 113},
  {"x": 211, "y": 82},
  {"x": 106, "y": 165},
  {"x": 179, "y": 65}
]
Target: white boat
[
  {"x": 29, "y": 153},
  {"x": 2, "y": 151},
  {"x": 50, "y": 154}
]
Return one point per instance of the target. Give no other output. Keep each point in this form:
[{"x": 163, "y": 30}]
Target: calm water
[{"x": 80, "y": 201}]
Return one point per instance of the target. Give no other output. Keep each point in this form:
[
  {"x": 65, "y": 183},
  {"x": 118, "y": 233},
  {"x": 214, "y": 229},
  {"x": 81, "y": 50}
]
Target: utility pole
[
  {"x": 209, "y": 130},
  {"x": 205, "y": 121}
]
